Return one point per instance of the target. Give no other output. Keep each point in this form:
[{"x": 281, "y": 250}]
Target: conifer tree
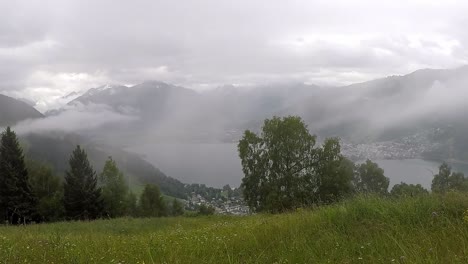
[
  {"x": 82, "y": 197},
  {"x": 17, "y": 202}
]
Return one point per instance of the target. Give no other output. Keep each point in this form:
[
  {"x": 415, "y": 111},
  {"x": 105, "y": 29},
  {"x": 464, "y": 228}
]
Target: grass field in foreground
[{"x": 362, "y": 230}]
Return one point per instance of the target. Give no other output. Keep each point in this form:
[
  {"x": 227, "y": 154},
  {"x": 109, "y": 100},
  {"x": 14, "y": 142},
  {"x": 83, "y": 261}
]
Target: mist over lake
[
  {"x": 218, "y": 164},
  {"x": 215, "y": 164}
]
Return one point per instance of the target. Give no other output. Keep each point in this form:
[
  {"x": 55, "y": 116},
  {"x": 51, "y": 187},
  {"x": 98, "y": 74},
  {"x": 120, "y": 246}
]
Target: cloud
[
  {"x": 50, "y": 48},
  {"x": 75, "y": 119}
]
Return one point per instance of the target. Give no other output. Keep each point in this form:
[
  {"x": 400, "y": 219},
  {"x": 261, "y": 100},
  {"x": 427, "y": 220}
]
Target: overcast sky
[{"x": 49, "y": 48}]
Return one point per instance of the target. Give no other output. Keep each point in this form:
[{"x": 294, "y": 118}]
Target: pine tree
[
  {"x": 17, "y": 202},
  {"x": 82, "y": 197}
]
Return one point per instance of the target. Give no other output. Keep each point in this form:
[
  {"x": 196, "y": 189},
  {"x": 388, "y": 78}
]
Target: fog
[
  {"x": 201, "y": 73},
  {"x": 192, "y": 135},
  {"x": 77, "y": 120}
]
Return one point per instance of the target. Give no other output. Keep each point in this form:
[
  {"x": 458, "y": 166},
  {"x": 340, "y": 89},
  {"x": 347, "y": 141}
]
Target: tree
[
  {"x": 151, "y": 202},
  {"x": 446, "y": 180},
  {"x": 48, "y": 189},
  {"x": 407, "y": 190},
  {"x": 334, "y": 172},
  {"x": 131, "y": 204},
  {"x": 82, "y": 198},
  {"x": 177, "y": 208},
  {"x": 278, "y": 165},
  {"x": 370, "y": 178},
  {"x": 206, "y": 210},
  {"x": 227, "y": 190},
  {"x": 17, "y": 201},
  {"x": 114, "y": 189}
]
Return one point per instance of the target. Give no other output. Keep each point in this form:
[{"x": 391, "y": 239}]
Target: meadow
[{"x": 427, "y": 229}]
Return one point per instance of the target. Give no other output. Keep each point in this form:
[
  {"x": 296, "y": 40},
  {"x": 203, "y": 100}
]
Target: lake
[{"x": 218, "y": 164}]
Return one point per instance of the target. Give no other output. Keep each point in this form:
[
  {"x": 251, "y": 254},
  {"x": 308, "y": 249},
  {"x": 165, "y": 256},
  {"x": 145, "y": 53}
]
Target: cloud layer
[{"x": 50, "y": 48}]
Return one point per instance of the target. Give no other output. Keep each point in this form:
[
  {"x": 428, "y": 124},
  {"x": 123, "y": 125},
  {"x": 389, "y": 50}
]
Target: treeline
[
  {"x": 56, "y": 150},
  {"x": 284, "y": 170},
  {"x": 30, "y": 191}
]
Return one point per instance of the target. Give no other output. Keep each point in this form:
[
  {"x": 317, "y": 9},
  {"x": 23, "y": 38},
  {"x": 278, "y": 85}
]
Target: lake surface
[{"x": 219, "y": 164}]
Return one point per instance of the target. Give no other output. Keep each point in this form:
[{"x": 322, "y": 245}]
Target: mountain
[
  {"x": 167, "y": 112},
  {"x": 55, "y": 149},
  {"x": 13, "y": 111},
  {"x": 388, "y": 108},
  {"x": 27, "y": 101},
  {"x": 427, "y": 104},
  {"x": 151, "y": 100},
  {"x": 71, "y": 96},
  {"x": 421, "y": 114}
]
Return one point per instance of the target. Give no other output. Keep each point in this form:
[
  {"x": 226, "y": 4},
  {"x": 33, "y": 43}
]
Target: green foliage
[
  {"x": 334, "y": 172},
  {"x": 408, "y": 190},
  {"x": 370, "y": 178},
  {"x": 56, "y": 150},
  {"x": 48, "y": 189},
  {"x": 446, "y": 180},
  {"x": 177, "y": 208},
  {"x": 131, "y": 204},
  {"x": 206, "y": 210},
  {"x": 114, "y": 190},
  {"x": 82, "y": 198},
  {"x": 284, "y": 171},
  {"x": 278, "y": 165},
  {"x": 423, "y": 229},
  {"x": 151, "y": 202},
  {"x": 17, "y": 201}
]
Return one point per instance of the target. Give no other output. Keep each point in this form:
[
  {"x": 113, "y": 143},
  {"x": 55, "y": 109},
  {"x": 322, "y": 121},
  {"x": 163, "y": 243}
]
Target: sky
[{"x": 50, "y": 48}]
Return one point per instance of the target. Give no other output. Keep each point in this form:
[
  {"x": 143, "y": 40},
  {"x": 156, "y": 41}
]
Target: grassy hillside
[{"x": 362, "y": 230}]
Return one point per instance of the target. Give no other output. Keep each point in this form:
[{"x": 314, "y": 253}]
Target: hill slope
[
  {"x": 364, "y": 230},
  {"x": 13, "y": 111},
  {"x": 55, "y": 149}
]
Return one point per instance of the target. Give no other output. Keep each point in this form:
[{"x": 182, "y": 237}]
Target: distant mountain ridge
[
  {"x": 13, "y": 111},
  {"x": 385, "y": 109},
  {"x": 55, "y": 148},
  {"x": 146, "y": 97}
]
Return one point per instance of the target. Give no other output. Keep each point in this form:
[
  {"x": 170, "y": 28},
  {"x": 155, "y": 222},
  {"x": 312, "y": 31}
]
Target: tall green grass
[{"x": 427, "y": 229}]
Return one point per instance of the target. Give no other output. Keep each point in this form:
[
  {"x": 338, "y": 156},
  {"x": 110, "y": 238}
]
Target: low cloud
[{"x": 76, "y": 119}]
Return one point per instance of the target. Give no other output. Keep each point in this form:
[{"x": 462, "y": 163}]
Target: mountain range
[
  {"x": 382, "y": 109},
  {"x": 421, "y": 112},
  {"x": 54, "y": 148}
]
